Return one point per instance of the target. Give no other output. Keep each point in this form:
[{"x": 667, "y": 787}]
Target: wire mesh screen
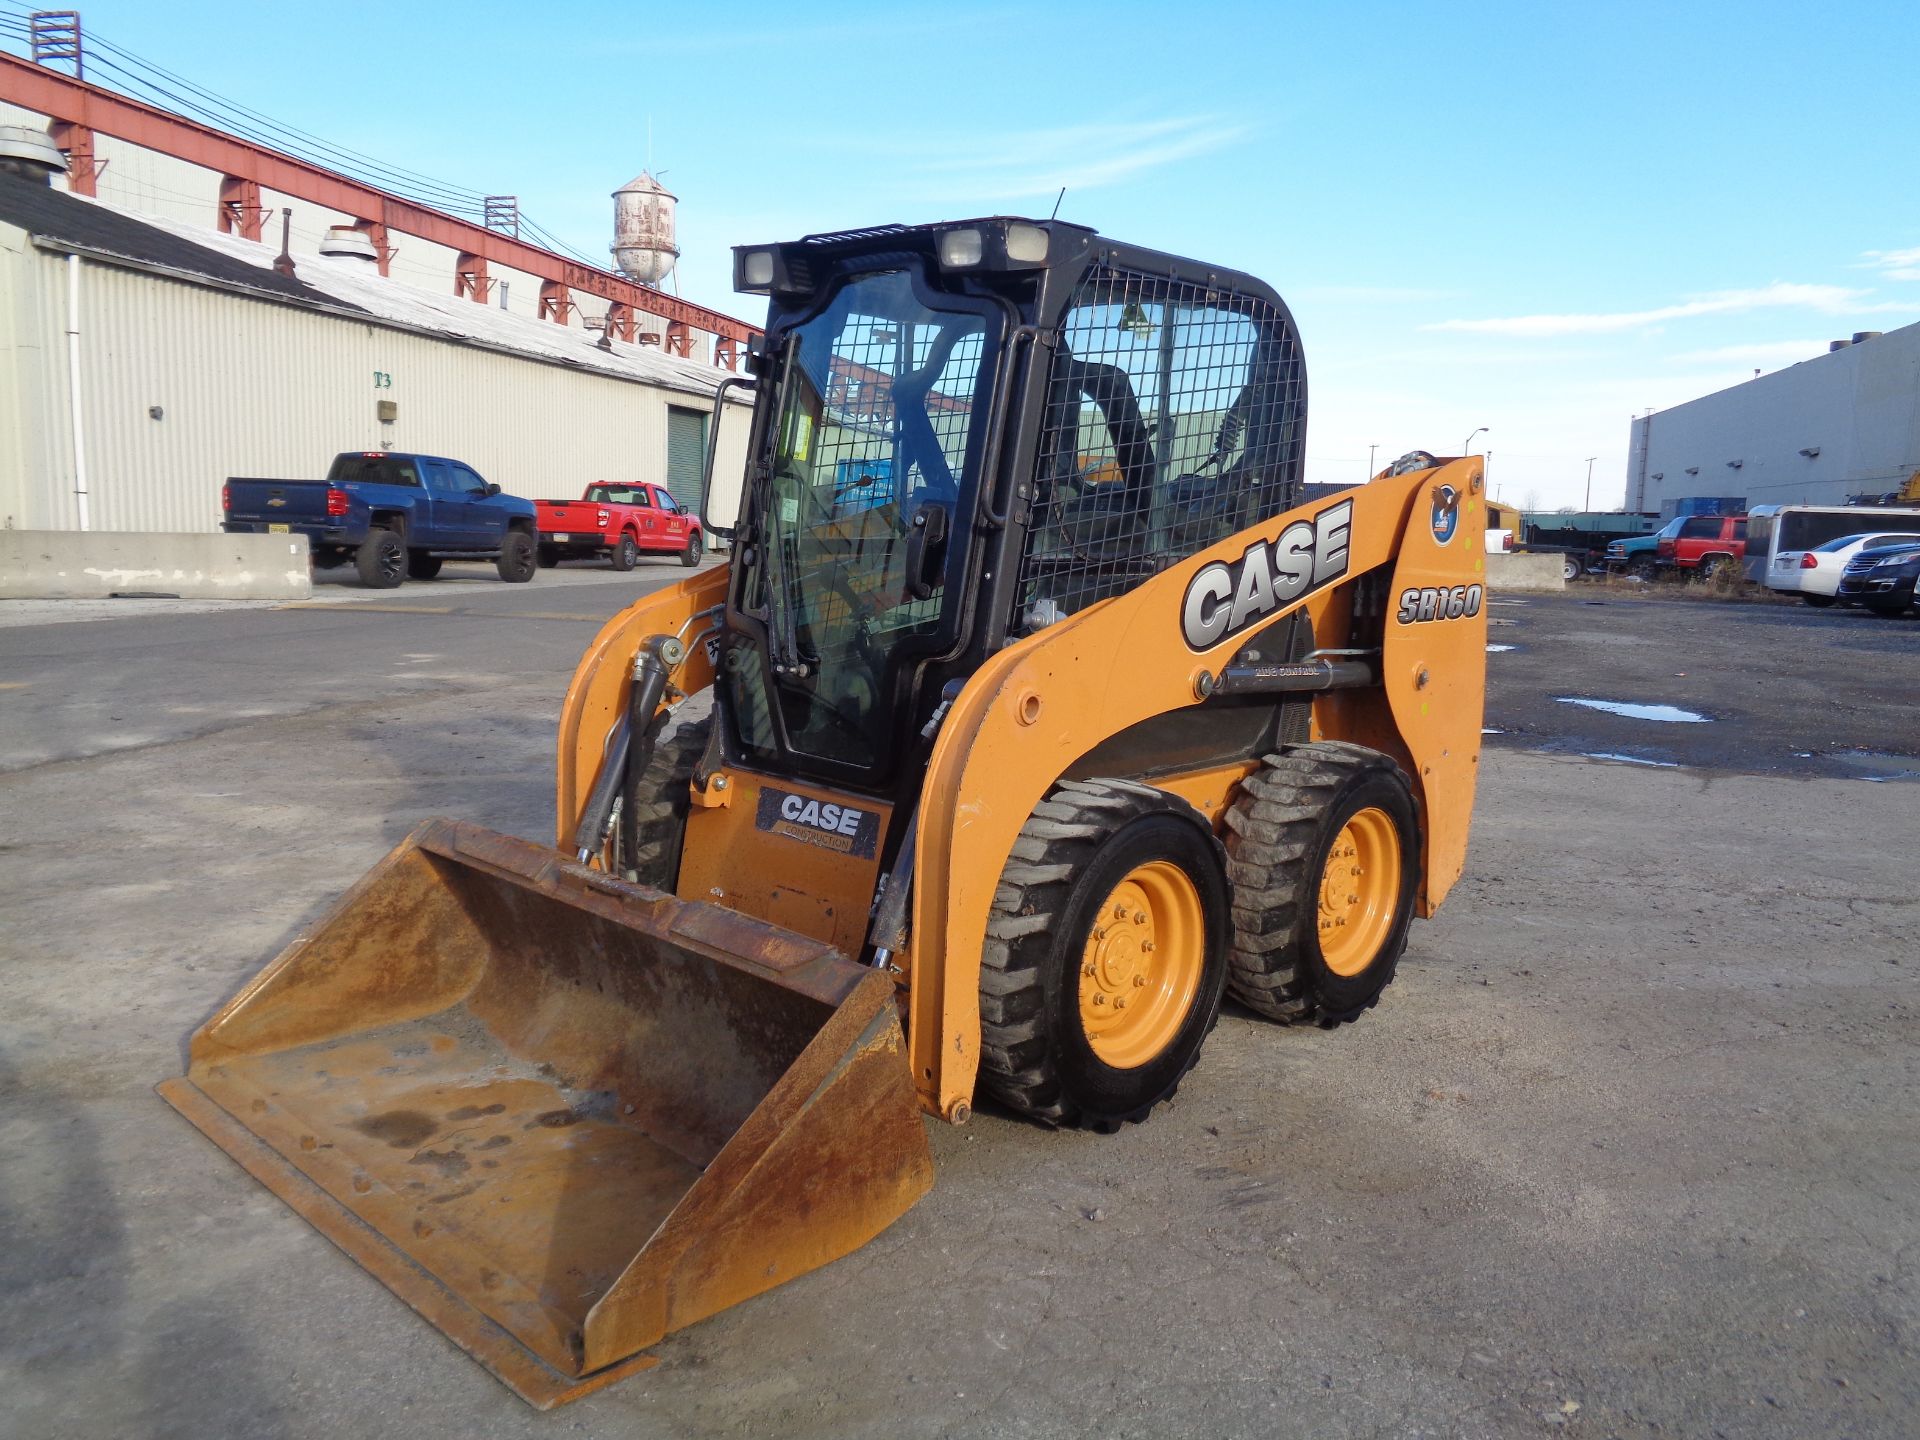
[{"x": 1174, "y": 418}]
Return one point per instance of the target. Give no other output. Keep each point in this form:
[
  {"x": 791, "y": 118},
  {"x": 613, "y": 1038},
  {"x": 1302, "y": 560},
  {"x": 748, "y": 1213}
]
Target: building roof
[
  {"x": 53, "y": 213},
  {"x": 340, "y": 284}
]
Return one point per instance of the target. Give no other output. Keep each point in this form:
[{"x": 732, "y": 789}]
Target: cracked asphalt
[{"x": 1628, "y": 1149}]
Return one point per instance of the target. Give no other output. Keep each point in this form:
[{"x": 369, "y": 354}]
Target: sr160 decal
[{"x": 1456, "y": 602}]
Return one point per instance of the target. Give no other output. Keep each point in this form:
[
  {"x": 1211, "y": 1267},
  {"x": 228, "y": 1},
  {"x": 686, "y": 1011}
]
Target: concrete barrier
[
  {"x": 1530, "y": 574},
  {"x": 75, "y": 565}
]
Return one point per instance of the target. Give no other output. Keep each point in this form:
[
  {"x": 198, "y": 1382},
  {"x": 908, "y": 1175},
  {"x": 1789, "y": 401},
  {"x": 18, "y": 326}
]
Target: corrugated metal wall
[{"x": 245, "y": 387}]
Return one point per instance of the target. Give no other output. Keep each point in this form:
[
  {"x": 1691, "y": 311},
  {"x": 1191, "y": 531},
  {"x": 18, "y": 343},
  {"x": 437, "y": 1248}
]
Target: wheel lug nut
[
  {"x": 1139, "y": 917},
  {"x": 1120, "y": 912},
  {"x": 1139, "y": 982},
  {"x": 1119, "y": 1002},
  {"x": 1146, "y": 947},
  {"x": 1099, "y": 932},
  {"x": 1099, "y": 999},
  {"x": 1087, "y": 969}
]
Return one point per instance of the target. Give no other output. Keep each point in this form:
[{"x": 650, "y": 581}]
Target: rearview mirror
[{"x": 493, "y": 489}]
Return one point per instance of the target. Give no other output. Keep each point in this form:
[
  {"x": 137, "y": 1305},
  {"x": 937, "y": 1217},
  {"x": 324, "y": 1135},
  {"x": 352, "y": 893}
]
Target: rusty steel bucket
[{"x": 560, "y": 1115}]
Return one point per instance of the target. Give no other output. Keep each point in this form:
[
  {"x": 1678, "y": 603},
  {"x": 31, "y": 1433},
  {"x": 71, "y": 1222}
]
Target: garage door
[{"x": 686, "y": 455}]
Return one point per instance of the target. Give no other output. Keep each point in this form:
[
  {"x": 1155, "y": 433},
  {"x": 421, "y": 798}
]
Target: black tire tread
[
  {"x": 1271, "y": 827},
  {"x": 1055, "y": 845},
  {"x": 654, "y": 815}
]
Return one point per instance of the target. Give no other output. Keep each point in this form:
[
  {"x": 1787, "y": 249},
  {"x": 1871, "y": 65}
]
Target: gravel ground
[{"x": 1628, "y": 1149}]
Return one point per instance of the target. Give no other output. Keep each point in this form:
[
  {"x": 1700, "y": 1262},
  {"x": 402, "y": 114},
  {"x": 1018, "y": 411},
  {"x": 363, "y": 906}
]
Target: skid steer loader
[{"x": 1037, "y": 709}]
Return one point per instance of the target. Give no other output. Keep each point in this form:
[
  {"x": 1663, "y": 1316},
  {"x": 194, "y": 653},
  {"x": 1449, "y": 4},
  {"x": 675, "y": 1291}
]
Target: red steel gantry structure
[{"x": 79, "y": 111}]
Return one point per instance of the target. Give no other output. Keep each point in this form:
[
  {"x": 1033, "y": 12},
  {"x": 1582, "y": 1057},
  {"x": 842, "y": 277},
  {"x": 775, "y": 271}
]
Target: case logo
[
  {"x": 1446, "y": 512},
  {"x": 1227, "y": 597},
  {"x": 845, "y": 828}
]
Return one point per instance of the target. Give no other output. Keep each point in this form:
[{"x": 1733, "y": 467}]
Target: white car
[{"x": 1815, "y": 574}]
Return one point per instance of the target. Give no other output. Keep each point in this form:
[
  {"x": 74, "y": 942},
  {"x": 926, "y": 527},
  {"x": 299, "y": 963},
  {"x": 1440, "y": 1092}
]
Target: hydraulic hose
[{"x": 630, "y": 744}]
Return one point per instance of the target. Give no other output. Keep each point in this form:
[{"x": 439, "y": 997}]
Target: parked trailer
[{"x": 1778, "y": 535}]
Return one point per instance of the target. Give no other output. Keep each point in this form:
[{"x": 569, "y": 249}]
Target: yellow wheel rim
[
  {"x": 1359, "y": 891},
  {"x": 1140, "y": 969}
]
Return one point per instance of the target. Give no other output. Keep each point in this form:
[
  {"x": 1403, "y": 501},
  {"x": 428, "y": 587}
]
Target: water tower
[{"x": 643, "y": 230}]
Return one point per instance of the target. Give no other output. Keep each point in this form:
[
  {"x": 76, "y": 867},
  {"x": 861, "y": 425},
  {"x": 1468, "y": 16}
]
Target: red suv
[{"x": 1705, "y": 545}]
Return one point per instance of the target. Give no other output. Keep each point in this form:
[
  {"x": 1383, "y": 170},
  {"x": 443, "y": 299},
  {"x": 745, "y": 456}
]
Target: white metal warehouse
[
  {"x": 143, "y": 361},
  {"x": 1839, "y": 424}
]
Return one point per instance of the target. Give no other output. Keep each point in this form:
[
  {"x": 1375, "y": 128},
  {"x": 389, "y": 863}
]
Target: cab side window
[{"x": 1172, "y": 421}]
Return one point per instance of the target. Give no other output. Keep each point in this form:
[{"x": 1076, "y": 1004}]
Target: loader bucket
[{"x": 560, "y": 1115}]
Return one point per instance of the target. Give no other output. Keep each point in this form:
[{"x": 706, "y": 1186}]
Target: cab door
[{"x": 673, "y": 520}]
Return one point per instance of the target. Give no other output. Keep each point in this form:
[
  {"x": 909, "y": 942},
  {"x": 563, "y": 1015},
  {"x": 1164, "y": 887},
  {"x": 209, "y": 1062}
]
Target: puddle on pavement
[
  {"x": 1497, "y": 649},
  {"x": 1875, "y": 767},
  {"x": 1630, "y": 759},
  {"x": 1669, "y": 714},
  {"x": 1489, "y": 730}
]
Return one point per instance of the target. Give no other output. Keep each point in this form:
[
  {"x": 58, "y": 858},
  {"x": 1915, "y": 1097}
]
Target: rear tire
[
  {"x": 517, "y": 560},
  {"x": 1570, "y": 569},
  {"x": 421, "y": 565},
  {"x": 1323, "y": 850},
  {"x": 654, "y": 807},
  {"x": 547, "y": 557},
  {"x": 626, "y": 554},
  {"x": 381, "y": 560},
  {"x": 690, "y": 556},
  {"x": 1061, "y": 969},
  {"x": 1819, "y": 602}
]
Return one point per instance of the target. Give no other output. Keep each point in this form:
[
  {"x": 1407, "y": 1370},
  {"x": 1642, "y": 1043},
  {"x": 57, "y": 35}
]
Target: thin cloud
[
  {"x": 1828, "y": 299},
  {"x": 1893, "y": 264},
  {"x": 1023, "y": 164},
  {"x": 1765, "y": 352},
  {"x": 800, "y": 38},
  {"x": 1370, "y": 294}
]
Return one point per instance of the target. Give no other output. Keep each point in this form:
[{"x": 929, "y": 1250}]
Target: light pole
[
  {"x": 1466, "y": 444},
  {"x": 1588, "y": 504},
  {"x": 1370, "y": 449}
]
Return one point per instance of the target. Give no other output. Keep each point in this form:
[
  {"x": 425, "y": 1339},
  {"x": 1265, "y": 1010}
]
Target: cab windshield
[{"x": 880, "y": 415}]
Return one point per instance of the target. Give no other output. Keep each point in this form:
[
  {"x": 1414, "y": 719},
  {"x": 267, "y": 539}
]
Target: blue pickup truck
[{"x": 393, "y": 516}]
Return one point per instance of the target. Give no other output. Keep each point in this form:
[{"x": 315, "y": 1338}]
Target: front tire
[
  {"x": 1323, "y": 850},
  {"x": 654, "y": 806},
  {"x": 1644, "y": 569},
  {"x": 517, "y": 560},
  {"x": 690, "y": 556},
  {"x": 1106, "y": 955},
  {"x": 381, "y": 560},
  {"x": 626, "y": 554},
  {"x": 1887, "y": 609}
]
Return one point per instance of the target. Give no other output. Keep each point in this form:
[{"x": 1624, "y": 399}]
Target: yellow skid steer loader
[{"x": 1039, "y": 708}]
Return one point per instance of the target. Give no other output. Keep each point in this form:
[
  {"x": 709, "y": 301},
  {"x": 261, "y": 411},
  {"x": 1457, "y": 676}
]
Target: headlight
[
  {"x": 961, "y": 249},
  {"x": 753, "y": 271}
]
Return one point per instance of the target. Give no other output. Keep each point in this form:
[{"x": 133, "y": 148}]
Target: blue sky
[{"x": 1540, "y": 218}]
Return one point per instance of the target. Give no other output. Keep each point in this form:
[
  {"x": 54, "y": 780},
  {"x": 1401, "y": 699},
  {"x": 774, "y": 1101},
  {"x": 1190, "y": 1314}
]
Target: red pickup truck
[
  {"x": 1704, "y": 545},
  {"x": 620, "y": 521}
]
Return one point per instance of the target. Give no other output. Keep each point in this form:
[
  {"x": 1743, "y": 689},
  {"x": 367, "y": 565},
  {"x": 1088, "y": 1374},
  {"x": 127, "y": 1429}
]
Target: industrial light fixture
[
  {"x": 1134, "y": 321},
  {"x": 1735, "y": 464},
  {"x": 1810, "y": 451},
  {"x": 1693, "y": 469},
  {"x": 1659, "y": 475}
]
